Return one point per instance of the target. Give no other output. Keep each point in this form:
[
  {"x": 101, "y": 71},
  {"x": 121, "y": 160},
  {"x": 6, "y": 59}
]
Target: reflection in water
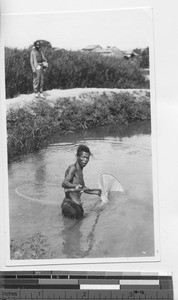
[
  {"x": 102, "y": 132},
  {"x": 79, "y": 237},
  {"x": 75, "y": 242},
  {"x": 123, "y": 227},
  {"x": 71, "y": 238},
  {"x": 40, "y": 174},
  {"x": 40, "y": 168}
]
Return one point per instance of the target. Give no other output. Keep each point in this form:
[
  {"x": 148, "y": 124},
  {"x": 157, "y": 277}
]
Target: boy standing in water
[{"x": 74, "y": 185}]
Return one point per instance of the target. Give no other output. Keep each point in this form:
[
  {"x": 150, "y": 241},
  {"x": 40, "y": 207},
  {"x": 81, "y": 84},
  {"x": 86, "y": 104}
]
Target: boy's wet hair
[{"x": 83, "y": 148}]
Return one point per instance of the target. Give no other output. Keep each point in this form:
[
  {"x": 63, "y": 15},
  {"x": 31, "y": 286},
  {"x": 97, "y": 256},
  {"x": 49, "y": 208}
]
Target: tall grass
[
  {"x": 70, "y": 69},
  {"x": 30, "y": 129},
  {"x": 35, "y": 247}
]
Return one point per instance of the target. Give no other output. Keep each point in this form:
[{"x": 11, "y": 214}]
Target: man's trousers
[{"x": 38, "y": 80}]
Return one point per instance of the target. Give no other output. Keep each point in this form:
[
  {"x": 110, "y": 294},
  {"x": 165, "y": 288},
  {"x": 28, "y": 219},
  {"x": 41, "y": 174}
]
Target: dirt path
[{"x": 77, "y": 93}]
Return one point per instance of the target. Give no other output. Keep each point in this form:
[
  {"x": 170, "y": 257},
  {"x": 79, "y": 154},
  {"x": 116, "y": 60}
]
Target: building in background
[{"x": 108, "y": 51}]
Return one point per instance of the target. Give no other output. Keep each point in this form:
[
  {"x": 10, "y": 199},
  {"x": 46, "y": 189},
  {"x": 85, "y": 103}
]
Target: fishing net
[
  {"x": 108, "y": 183},
  {"x": 47, "y": 194}
]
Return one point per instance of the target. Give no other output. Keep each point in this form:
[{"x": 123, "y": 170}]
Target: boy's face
[{"x": 83, "y": 159}]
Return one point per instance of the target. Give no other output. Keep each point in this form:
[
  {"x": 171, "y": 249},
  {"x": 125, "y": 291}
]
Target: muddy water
[{"x": 121, "y": 228}]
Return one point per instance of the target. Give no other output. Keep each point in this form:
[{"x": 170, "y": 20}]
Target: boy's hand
[
  {"x": 78, "y": 186},
  {"x": 99, "y": 192}
]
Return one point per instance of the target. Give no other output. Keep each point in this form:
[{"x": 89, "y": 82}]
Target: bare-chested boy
[{"x": 74, "y": 185}]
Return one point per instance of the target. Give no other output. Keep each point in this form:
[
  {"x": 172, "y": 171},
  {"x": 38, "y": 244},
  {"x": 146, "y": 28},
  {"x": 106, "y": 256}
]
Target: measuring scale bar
[{"x": 85, "y": 285}]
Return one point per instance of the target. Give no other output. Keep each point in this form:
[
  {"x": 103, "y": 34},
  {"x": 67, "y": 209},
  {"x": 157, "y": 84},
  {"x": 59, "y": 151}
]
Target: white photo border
[{"x": 43, "y": 262}]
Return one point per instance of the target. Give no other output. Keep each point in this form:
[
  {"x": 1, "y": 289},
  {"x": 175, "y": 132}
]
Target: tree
[{"x": 144, "y": 63}]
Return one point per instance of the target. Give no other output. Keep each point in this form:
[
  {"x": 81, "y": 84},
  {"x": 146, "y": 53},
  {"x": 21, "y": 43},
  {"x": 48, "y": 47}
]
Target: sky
[{"x": 124, "y": 28}]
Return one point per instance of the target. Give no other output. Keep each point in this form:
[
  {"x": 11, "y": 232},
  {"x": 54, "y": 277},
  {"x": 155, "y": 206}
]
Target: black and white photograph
[{"x": 81, "y": 137}]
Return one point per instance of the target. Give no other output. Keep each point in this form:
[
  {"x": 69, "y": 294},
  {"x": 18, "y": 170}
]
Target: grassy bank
[
  {"x": 30, "y": 128},
  {"x": 71, "y": 69}
]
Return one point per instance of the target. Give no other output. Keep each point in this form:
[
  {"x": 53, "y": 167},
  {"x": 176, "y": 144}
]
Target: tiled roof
[{"x": 92, "y": 47}]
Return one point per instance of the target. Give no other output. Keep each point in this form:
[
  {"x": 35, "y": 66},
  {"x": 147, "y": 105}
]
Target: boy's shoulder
[{"x": 71, "y": 169}]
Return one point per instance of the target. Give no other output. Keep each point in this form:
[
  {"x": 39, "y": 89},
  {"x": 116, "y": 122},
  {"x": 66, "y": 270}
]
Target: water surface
[{"x": 123, "y": 227}]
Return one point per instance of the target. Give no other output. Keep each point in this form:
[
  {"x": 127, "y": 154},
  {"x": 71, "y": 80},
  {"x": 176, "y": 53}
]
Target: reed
[{"x": 35, "y": 247}]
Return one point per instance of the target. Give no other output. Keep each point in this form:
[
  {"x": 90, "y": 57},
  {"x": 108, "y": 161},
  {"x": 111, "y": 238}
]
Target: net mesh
[{"x": 108, "y": 183}]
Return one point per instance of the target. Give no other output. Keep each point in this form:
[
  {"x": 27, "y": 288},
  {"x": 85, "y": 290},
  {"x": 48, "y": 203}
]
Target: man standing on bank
[
  {"x": 38, "y": 64},
  {"x": 74, "y": 185}
]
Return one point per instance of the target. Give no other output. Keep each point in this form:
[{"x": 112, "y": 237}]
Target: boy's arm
[
  {"x": 92, "y": 191},
  {"x": 69, "y": 175}
]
